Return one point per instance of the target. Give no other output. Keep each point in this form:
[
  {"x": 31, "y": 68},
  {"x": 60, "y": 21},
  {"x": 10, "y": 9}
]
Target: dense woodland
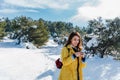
[{"x": 25, "y": 29}]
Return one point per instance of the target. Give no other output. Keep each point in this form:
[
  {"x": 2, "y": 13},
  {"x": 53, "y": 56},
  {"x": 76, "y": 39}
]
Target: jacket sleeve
[
  {"x": 66, "y": 57},
  {"x": 83, "y": 63}
]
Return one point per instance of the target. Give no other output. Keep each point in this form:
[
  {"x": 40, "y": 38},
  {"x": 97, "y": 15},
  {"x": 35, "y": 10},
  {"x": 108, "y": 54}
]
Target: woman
[{"x": 73, "y": 60}]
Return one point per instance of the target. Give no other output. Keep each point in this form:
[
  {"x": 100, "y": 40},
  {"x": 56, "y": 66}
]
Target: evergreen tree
[
  {"x": 38, "y": 34},
  {"x": 23, "y": 29},
  {"x": 2, "y": 29},
  {"x": 107, "y": 35},
  {"x": 20, "y": 27},
  {"x": 8, "y": 27}
]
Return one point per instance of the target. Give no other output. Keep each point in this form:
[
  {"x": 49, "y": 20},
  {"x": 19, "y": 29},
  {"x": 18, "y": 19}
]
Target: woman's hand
[{"x": 79, "y": 54}]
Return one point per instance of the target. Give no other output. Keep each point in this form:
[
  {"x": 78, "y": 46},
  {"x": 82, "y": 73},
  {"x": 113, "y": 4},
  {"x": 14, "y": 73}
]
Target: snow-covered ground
[{"x": 18, "y": 63}]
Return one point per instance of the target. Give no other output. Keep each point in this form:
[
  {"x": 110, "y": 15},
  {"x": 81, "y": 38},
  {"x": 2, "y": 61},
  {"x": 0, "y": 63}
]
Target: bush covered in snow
[{"x": 105, "y": 38}]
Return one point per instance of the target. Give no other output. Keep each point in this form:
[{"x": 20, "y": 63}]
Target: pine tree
[
  {"x": 38, "y": 34},
  {"x": 2, "y": 29},
  {"x": 108, "y": 36},
  {"x": 8, "y": 27},
  {"x": 20, "y": 26}
]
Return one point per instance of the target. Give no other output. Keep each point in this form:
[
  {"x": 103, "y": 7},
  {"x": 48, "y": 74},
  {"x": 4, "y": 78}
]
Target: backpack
[{"x": 59, "y": 63}]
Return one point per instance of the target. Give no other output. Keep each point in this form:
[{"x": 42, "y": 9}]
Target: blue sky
[{"x": 76, "y": 11}]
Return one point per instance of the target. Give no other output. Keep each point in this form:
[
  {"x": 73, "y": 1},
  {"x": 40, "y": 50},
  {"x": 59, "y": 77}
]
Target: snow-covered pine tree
[{"x": 107, "y": 35}]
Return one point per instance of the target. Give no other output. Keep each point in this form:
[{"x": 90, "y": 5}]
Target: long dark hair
[{"x": 70, "y": 38}]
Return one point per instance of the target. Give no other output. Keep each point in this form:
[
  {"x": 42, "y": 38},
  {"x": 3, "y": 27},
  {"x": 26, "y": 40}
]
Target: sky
[{"x": 78, "y": 12}]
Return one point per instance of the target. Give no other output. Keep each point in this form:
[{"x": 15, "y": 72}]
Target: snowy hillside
[
  {"x": 102, "y": 69},
  {"x": 18, "y": 63}
]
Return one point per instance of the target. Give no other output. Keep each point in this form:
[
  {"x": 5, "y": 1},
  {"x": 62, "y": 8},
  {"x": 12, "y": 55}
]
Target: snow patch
[{"x": 93, "y": 42}]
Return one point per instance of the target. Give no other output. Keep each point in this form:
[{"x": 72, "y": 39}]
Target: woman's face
[{"x": 75, "y": 40}]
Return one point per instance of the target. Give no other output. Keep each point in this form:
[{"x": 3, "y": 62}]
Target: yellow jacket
[{"x": 69, "y": 68}]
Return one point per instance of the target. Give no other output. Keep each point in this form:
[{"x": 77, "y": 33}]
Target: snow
[
  {"x": 34, "y": 26},
  {"x": 19, "y": 63},
  {"x": 102, "y": 69},
  {"x": 93, "y": 42}
]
